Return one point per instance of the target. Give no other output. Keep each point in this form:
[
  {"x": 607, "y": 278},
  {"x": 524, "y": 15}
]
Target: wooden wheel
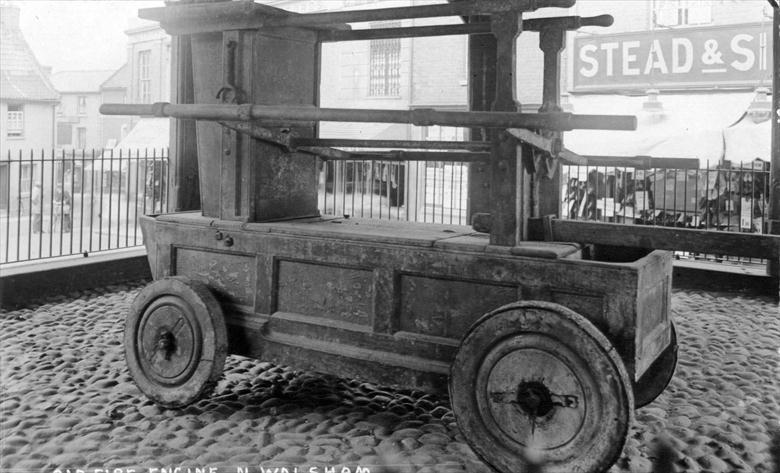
[
  {"x": 658, "y": 375},
  {"x": 175, "y": 341},
  {"x": 535, "y": 375}
]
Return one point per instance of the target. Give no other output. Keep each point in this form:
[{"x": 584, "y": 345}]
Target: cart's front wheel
[
  {"x": 537, "y": 376},
  {"x": 175, "y": 341}
]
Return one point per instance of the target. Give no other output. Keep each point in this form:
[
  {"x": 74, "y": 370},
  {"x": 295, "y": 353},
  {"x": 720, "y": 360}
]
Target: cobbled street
[{"x": 68, "y": 402}]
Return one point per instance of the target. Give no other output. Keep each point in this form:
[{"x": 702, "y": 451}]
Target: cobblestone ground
[{"x": 68, "y": 401}]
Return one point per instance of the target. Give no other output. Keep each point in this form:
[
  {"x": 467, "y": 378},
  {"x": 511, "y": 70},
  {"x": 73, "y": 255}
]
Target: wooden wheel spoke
[
  {"x": 177, "y": 326},
  {"x": 565, "y": 400}
]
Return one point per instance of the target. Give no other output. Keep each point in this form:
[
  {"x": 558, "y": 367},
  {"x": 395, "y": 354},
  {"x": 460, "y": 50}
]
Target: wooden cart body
[
  {"x": 536, "y": 341},
  {"x": 389, "y": 302}
]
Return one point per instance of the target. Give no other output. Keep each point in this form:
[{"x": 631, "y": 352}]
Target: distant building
[
  {"x": 79, "y": 123},
  {"x": 27, "y": 103},
  {"x": 148, "y": 78},
  {"x": 27, "y": 97},
  {"x": 115, "y": 90},
  {"x": 149, "y": 63}
]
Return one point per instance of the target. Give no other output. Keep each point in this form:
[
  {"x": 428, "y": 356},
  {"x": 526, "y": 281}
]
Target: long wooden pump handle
[
  {"x": 567, "y": 22},
  {"x": 558, "y": 121}
]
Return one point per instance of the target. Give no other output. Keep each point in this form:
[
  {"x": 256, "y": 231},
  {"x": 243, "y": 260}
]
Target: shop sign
[{"x": 707, "y": 57}]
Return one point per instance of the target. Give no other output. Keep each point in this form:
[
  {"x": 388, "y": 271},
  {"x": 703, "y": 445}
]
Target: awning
[
  {"x": 147, "y": 134},
  {"x": 687, "y": 126},
  {"x": 747, "y": 141}
]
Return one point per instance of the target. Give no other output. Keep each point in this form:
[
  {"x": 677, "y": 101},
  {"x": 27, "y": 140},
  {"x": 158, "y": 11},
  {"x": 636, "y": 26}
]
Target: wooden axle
[{"x": 558, "y": 121}]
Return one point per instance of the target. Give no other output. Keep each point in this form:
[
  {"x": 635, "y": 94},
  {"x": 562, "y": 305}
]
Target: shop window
[
  {"x": 682, "y": 12},
  {"x": 15, "y": 122},
  {"x": 385, "y": 65}
]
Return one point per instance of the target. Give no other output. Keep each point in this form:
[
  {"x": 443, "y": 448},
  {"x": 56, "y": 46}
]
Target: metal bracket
[
  {"x": 279, "y": 138},
  {"x": 230, "y": 93},
  {"x": 547, "y": 152}
]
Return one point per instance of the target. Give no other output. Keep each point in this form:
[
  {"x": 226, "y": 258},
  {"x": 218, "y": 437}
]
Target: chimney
[{"x": 9, "y": 16}]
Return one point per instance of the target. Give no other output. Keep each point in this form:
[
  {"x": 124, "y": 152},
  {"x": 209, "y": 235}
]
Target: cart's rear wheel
[
  {"x": 175, "y": 341},
  {"x": 658, "y": 375},
  {"x": 535, "y": 375}
]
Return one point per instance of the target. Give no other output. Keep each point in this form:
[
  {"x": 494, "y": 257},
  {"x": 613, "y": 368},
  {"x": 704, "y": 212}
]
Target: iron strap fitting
[{"x": 279, "y": 138}]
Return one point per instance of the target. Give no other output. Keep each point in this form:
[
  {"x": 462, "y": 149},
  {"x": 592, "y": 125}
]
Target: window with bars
[
  {"x": 682, "y": 12},
  {"x": 385, "y": 65},
  {"x": 144, "y": 77},
  {"x": 15, "y": 123}
]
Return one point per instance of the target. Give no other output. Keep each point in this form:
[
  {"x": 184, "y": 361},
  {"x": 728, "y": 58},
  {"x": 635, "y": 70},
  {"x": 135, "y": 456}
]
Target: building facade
[
  {"x": 115, "y": 90},
  {"x": 27, "y": 117},
  {"x": 149, "y": 63},
  {"x": 79, "y": 123}
]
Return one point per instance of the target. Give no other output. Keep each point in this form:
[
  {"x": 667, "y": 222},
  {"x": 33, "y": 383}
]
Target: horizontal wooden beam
[
  {"x": 220, "y": 16},
  {"x": 461, "y": 8},
  {"x": 559, "y": 121},
  {"x": 353, "y": 143},
  {"x": 335, "y": 154},
  {"x": 642, "y": 162},
  {"x": 404, "y": 32},
  {"x": 749, "y": 245}
]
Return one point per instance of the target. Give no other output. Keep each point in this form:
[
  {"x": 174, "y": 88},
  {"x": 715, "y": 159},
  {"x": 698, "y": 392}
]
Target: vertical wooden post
[
  {"x": 510, "y": 195},
  {"x": 551, "y": 41},
  {"x": 183, "y": 153},
  {"x": 482, "y": 93},
  {"x": 774, "y": 185}
]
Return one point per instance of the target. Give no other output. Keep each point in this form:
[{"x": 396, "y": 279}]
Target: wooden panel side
[
  {"x": 447, "y": 307},
  {"x": 230, "y": 276},
  {"x": 654, "y": 300},
  {"x": 326, "y": 291},
  {"x": 284, "y": 185}
]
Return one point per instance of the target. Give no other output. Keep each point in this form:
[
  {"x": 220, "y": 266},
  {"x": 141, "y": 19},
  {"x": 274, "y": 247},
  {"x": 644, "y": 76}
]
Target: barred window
[
  {"x": 385, "y": 65},
  {"x": 144, "y": 77},
  {"x": 15, "y": 121}
]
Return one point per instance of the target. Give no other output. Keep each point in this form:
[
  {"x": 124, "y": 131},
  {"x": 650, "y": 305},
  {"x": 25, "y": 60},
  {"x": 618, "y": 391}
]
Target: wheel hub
[
  {"x": 534, "y": 398},
  {"x": 167, "y": 341},
  {"x": 167, "y": 344}
]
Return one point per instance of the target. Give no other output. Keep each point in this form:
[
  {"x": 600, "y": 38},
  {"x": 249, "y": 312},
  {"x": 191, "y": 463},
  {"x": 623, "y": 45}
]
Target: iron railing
[
  {"x": 415, "y": 191},
  {"x": 91, "y": 201},
  {"x": 718, "y": 197},
  {"x": 69, "y": 203}
]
